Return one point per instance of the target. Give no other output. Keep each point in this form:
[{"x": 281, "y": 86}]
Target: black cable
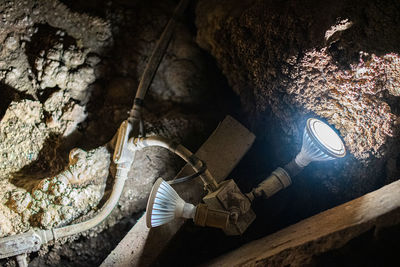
[{"x": 189, "y": 177}]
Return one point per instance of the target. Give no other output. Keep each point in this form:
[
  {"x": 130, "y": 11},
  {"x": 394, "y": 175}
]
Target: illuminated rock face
[
  {"x": 277, "y": 56},
  {"x": 352, "y": 100},
  {"x": 55, "y": 201},
  {"x": 25, "y": 132},
  {"x": 292, "y": 60}
]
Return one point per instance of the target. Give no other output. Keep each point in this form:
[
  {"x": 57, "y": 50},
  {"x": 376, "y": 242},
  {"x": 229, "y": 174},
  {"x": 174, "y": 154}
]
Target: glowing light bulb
[
  {"x": 328, "y": 138},
  {"x": 320, "y": 143}
]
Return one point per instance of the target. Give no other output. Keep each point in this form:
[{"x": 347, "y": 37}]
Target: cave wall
[
  {"x": 337, "y": 61},
  {"x": 68, "y": 75}
]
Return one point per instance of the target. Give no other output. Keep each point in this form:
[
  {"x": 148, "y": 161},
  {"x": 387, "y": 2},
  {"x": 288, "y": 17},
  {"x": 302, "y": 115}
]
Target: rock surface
[
  {"x": 68, "y": 75},
  {"x": 337, "y": 61}
]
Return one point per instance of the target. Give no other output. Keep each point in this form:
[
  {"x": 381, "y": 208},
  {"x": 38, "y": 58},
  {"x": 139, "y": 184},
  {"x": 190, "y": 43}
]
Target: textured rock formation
[
  {"x": 25, "y": 130},
  {"x": 296, "y": 59},
  {"x": 67, "y": 79},
  {"x": 55, "y": 201},
  {"x": 352, "y": 100},
  {"x": 21, "y": 24}
]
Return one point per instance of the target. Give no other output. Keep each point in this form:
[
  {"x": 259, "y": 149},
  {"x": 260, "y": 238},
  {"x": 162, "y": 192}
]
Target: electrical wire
[
  {"x": 189, "y": 177},
  {"x": 142, "y": 129}
]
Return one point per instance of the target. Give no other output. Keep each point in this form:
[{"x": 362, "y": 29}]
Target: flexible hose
[
  {"x": 189, "y": 177},
  {"x": 182, "y": 152},
  {"x": 69, "y": 230}
]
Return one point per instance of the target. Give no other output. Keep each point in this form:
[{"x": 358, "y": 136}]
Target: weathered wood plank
[
  {"x": 331, "y": 229},
  {"x": 221, "y": 152}
]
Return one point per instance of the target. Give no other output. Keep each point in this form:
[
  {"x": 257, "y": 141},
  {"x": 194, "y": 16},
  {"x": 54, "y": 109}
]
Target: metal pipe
[
  {"x": 181, "y": 151},
  {"x": 22, "y": 261}
]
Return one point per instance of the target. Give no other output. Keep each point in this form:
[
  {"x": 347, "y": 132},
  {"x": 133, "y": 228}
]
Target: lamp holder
[
  {"x": 229, "y": 198},
  {"x": 184, "y": 210},
  {"x": 207, "y": 216},
  {"x": 278, "y": 180},
  {"x": 122, "y": 155}
]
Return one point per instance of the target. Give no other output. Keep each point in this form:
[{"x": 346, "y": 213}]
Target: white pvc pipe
[
  {"x": 181, "y": 151},
  {"x": 69, "y": 230}
]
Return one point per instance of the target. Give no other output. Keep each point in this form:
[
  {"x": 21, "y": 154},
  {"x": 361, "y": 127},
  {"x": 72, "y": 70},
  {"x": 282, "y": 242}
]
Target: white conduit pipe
[
  {"x": 181, "y": 151},
  {"x": 69, "y": 230}
]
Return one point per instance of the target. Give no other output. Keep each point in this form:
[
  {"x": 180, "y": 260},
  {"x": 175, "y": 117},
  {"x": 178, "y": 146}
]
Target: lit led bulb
[{"x": 320, "y": 143}]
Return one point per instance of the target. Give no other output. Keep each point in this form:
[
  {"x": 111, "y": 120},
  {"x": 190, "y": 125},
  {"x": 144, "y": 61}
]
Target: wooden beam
[
  {"x": 221, "y": 152},
  {"x": 331, "y": 229}
]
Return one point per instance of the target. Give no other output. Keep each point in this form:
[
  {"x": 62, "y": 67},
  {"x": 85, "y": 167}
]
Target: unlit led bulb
[
  {"x": 320, "y": 143},
  {"x": 165, "y": 204}
]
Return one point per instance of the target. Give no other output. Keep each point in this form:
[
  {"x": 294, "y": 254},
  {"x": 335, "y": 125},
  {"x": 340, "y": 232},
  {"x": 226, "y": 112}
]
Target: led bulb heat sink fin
[
  {"x": 320, "y": 143},
  {"x": 164, "y": 205}
]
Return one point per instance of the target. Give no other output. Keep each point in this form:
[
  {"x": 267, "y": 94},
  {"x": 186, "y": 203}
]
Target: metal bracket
[{"x": 229, "y": 197}]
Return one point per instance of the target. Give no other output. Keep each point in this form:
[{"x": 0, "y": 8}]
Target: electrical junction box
[{"x": 229, "y": 197}]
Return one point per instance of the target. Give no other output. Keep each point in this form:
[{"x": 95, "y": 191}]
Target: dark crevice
[
  {"x": 9, "y": 94},
  {"x": 44, "y": 39},
  {"x": 43, "y": 95},
  {"x": 50, "y": 161}
]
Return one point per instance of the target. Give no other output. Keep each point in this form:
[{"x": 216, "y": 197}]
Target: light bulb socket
[
  {"x": 302, "y": 159},
  {"x": 211, "y": 217},
  {"x": 278, "y": 180},
  {"x": 293, "y": 169}
]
